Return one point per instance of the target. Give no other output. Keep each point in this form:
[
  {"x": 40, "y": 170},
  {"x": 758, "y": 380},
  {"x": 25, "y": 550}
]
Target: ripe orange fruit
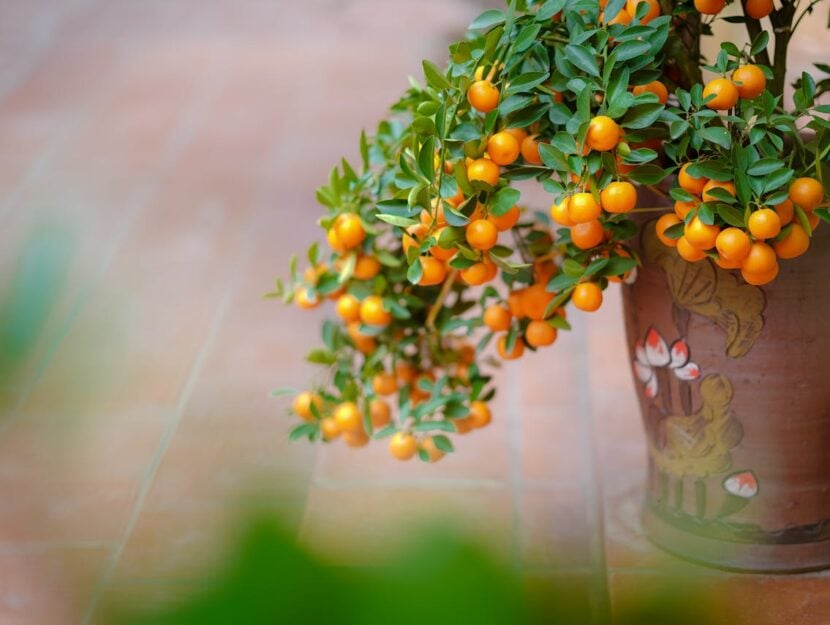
[
  {"x": 329, "y": 428},
  {"x": 543, "y": 271},
  {"x": 690, "y": 183},
  {"x": 503, "y": 148},
  {"x": 530, "y": 150},
  {"x": 587, "y": 296},
  {"x": 758, "y": 9},
  {"x": 560, "y": 213},
  {"x": 518, "y": 349},
  {"x": 724, "y": 263},
  {"x": 664, "y": 223},
  {"x": 688, "y": 252},
  {"x": 482, "y": 234},
  {"x": 785, "y": 211},
  {"x": 476, "y": 275},
  {"x": 540, "y": 334},
  {"x": 761, "y": 259},
  {"x": 366, "y": 267},
  {"x": 349, "y": 230},
  {"x": 385, "y": 383},
  {"x": 483, "y": 96},
  {"x": 725, "y": 92},
  {"x": 356, "y": 439},
  {"x": 348, "y": 417},
  {"x": 334, "y": 241},
  {"x": 710, "y": 7},
  {"x": 434, "y": 271},
  {"x": 497, "y": 318},
  {"x": 304, "y": 300},
  {"x": 535, "y": 300},
  {"x": 403, "y": 446},
  {"x": 653, "y": 9},
  {"x": 793, "y": 244},
  {"x": 618, "y": 197},
  {"x": 373, "y": 313},
  {"x": 303, "y": 403},
  {"x": 484, "y": 170},
  {"x": 348, "y": 307},
  {"x": 733, "y": 244},
  {"x": 700, "y": 235},
  {"x": 716, "y": 184},
  {"x": 807, "y": 193},
  {"x": 442, "y": 253},
  {"x": 655, "y": 87},
  {"x": 583, "y": 207},
  {"x": 463, "y": 426},
  {"x": 439, "y": 218},
  {"x": 759, "y": 279},
  {"x": 514, "y": 303},
  {"x": 413, "y": 237},
  {"x": 519, "y": 134},
  {"x": 764, "y": 224},
  {"x": 588, "y": 234},
  {"x": 429, "y": 446},
  {"x": 681, "y": 209},
  {"x": 603, "y": 132},
  {"x": 507, "y": 221},
  {"x": 750, "y": 81},
  {"x": 380, "y": 413},
  {"x": 479, "y": 414},
  {"x": 622, "y": 17}
]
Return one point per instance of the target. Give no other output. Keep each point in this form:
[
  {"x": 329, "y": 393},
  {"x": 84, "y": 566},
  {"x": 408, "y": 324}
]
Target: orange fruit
[
  {"x": 733, "y": 244},
  {"x": 476, "y": 275},
  {"x": 750, "y": 81},
  {"x": 793, "y": 244},
  {"x": 724, "y": 263},
  {"x": 681, "y": 209},
  {"x": 366, "y": 267},
  {"x": 653, "y": 9},
  {"x": 303, "y": 403},
  {"x": 484, "y": 170},
  {"x": 560, "y": 213},
  {"x": 380, "y": 413},
  {"x": 507, "y": 221},
  {"x": 348, "y": 307},
  {"x": 710, "y": 7},
  {"x": 356, "y": 439},
  {"x": 385, "y": 383},
  {"x": 758, "y": 9},
  {"x": 434, "y": 271},
  {"x": 664, "y": 223},
  {"x": 725, "y": 92},
  {"x": 764, "y": 224},
  {"x": 429, "y": 446},
  {"x": 348, "y": 417},
  {"x": 518, "y": 349},
  {"x": 759, "y": 279},
  {"x": 329, "y": 428},
  {"x": 540, "y": 334},
  {"x": 403, "y": 446},
  {"x": 716, "y": 184},
  {"x": 543, "y": 271},
  {"x": 583, "y": 207},
  {"x": 535, "y": 300},
  {"x": 700, "y": 235},
  {"x": 761, "y": 259},
  {"x": 349, "y": 230},
  {"x": 785, "y": 211},
  {"x": 463, "y": 426},
  {"x": 588, "y": 234},
  {"x": 688, "y": 252},
  {"x": 503, "y": 148},
  {"x": 530, "y": 150},
  {"x": 479, "y": 414},
  {"x": 334, "y": 241},
  {"x": 483, "y": 96},
  {"x": 618, "y": 197},
  {"x": 519, "y": 134},
  {"x": 413, "y": 237},
  {"x": 690, "y": 183},
  {"x": 603, "y": 132},
  {"x": 497, "y": 318},
  {"x": 807, "y": 193},
  {"x": 623, "y": 17},
  {"x": 304, "y": 300},
  {"x": 482, "y": 234},
  {"x": 427, "y": 218},
  {"x": 655, "y": 87},
  {"x": 373, "y": 313},
  {"x": 514, "y": 303},
  {"x": 587, "y": 296},
  {"x": 442, "y": 253}
]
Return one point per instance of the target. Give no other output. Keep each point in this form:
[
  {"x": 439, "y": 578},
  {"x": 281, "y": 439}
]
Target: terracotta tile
[{"x": 779, "y": 600}]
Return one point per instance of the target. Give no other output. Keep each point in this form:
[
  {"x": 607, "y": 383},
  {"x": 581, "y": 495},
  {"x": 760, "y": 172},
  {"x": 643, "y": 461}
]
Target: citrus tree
[{"x": 429, "y": 255}]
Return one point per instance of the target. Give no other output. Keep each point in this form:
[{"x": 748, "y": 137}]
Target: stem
[
  {"x": 782, "y": 26},
  {"x": 442, "y": 297}
]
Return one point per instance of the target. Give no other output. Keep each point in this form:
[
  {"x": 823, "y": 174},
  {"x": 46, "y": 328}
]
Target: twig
[{"x": 442, "y": 296}]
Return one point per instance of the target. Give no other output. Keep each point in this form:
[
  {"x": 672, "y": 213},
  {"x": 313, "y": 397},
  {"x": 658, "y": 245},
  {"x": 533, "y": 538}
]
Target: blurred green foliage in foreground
[{"x": 438, "y": 579}]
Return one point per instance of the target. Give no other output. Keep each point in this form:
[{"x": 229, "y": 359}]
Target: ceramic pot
[{"x": 734, "y": 386}]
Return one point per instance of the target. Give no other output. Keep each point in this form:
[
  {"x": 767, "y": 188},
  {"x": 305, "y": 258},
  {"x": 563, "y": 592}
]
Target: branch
[{"x": 442, "y": 297}]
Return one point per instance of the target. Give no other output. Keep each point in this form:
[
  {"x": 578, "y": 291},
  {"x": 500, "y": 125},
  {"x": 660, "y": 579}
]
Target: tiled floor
[{"x": 171, "y": 149}]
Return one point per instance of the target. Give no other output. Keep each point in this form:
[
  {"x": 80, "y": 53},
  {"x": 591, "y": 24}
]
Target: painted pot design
[{"x": 734, "y": 386}]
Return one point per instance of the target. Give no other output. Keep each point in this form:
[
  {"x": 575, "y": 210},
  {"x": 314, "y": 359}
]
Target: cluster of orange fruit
[
  {"x": 756, "y": 9},
  {"x": 770, "y": 233},
  {"x": 747, "y": 83},
  {"x": 629, "y": 11}
]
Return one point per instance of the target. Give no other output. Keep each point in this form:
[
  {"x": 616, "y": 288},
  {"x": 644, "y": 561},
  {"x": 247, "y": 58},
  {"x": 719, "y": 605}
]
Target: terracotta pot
[{"x": 734, "y": 386}]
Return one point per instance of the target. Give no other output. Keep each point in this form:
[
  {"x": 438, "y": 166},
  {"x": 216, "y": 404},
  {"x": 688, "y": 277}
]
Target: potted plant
[{"x": 701, "y": 195}]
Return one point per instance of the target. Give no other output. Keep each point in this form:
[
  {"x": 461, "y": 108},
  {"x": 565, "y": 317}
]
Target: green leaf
[
  {"x": 642, "y": 116},
  {"x": 731, "y": 215},
  {"x": 760, "y": 43},
  {"x": 503, "y": 200},
  {"x": 487, "y": 20},
  {"x": 435, "y": 77},
  {"x": 321, "y": 357},
  {"x": 415, "y": 272},
  {"x": 648, "y": 174},
  {"x": 583, "y": 58},
  {"x": 304, "y": 430},
  {"x": 717, "y": 135},
  {"x": 401, "y": 222},
  {"x": 281, "y": 392},
  {"x": 443, "y": 443},
  {"x": 629, "y": 50},
  {"x": 764, "y": 166}
]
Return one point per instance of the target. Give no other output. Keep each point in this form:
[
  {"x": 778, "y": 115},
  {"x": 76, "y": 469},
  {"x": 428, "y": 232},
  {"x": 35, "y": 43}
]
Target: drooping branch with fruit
[{"x": 429, "y": 257}]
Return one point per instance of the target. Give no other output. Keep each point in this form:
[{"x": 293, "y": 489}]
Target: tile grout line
[{"x": 600, "y": 604}]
